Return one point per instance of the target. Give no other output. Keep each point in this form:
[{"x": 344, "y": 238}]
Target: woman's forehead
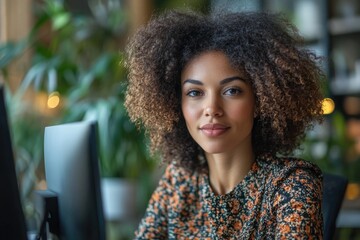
[{"x": 213, "y": 61}]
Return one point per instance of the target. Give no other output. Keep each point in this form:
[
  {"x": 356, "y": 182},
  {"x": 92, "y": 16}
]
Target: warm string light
[
  {"x": 53, "y": 100},
  {"x": 352, "y": 191},
  {"x": 328, "y": 105}
]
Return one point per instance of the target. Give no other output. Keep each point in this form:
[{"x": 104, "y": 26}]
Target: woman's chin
[{"x": 214, "y": 149}]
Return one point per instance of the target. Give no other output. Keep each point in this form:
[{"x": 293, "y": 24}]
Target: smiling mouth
[{"x": 213, "y": 130}]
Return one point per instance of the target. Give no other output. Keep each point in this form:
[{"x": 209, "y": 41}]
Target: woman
[{"x": 224, "y": 99}]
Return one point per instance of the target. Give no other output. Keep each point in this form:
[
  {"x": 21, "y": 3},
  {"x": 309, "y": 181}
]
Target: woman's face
[{"x": 217, "y": 103}]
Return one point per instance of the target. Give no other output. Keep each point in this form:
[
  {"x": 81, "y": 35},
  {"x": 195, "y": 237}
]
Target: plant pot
[{"x": 119, "y": 198}]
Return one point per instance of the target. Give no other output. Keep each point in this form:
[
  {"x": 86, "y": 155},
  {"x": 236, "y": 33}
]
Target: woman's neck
[{"x": 228, "y": 170}]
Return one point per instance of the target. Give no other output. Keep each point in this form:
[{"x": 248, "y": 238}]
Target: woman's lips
[{"x": 213, "y": 130}]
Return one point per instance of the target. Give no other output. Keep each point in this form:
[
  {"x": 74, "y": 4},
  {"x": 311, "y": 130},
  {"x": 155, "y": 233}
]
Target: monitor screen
[
  {"x": 12, "y": 219},
  {"x": 72, "y": 172}
]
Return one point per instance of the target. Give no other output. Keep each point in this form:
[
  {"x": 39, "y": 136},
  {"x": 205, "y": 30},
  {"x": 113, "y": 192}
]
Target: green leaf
[
  {"x": 33, "y": 75},
  {"x": 101, "y": 65},
  {"x": 52, "y": 80},
  {"x": 60, "y": 20},
  {"x": 10, "y": 51}
]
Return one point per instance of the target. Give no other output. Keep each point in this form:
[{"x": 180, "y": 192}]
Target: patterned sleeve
[
  {"x": 298, "y": 206},
  {"x": 154, "y": 223}
]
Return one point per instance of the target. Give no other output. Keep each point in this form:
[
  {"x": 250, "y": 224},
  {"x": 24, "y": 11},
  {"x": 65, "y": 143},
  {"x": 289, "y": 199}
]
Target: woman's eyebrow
[
  {"x": 222, "y": 82},
  {"x": 193, "y": 81},
  {"x": 230, "y": 79}
]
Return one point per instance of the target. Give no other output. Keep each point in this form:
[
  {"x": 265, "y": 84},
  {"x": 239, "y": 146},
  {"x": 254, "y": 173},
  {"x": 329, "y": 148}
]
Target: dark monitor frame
[
  {"x": 12, "y": 219},
  {"x": 72, "y": 172}
]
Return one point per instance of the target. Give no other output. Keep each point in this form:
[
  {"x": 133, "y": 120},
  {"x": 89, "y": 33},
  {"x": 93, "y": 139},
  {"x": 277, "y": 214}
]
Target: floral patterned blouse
[{"x": 278, "y": 199}]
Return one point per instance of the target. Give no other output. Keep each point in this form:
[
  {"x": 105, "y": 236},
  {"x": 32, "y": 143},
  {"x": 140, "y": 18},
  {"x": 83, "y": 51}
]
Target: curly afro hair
[{"x": 285, "y": 78}]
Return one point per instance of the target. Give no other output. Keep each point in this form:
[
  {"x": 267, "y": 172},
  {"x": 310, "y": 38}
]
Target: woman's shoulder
[
  {"x": 175, "y": 175},
  {"x": 285, "y": 165},
  {"x": 280, "y": 170}
]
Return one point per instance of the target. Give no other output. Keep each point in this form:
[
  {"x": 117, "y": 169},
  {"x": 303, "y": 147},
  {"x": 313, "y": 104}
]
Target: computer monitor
[
  {"x": 12, "y": 219},
  {"x": 72, "y": 172}
]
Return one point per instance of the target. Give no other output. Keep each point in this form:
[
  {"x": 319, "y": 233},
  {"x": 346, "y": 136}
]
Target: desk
[
  {"x": 348, "y": 218},
  {"x": 349, "y": 215}
]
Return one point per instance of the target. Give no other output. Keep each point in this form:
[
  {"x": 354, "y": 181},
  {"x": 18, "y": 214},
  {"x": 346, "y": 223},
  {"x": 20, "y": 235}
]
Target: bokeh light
[
  {"x": 328, "y": 105},
  {"x": 53, "y": 100}
]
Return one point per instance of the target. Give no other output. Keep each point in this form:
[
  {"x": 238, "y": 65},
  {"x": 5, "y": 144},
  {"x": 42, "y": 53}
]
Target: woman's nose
[{"x": 213, "y": 109}]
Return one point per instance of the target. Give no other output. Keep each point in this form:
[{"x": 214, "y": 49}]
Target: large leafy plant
[{"x": 79, "y": 57}]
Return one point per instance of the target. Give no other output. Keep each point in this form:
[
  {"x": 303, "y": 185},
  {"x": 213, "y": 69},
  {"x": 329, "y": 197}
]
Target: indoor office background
[{"x": 63, "y": 62}]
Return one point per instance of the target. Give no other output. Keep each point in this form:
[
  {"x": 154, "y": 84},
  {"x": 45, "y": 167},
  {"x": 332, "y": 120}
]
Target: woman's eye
[
  {"x": 193, "y": 93},
  {"x": 232, "y": 91}
]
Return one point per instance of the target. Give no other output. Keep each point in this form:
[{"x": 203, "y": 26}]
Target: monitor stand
[{"x": 49, "y": 210}]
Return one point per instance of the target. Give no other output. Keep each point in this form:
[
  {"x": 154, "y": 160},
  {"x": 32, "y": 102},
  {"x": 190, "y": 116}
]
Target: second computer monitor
[{"x": 72, "y": 172}]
